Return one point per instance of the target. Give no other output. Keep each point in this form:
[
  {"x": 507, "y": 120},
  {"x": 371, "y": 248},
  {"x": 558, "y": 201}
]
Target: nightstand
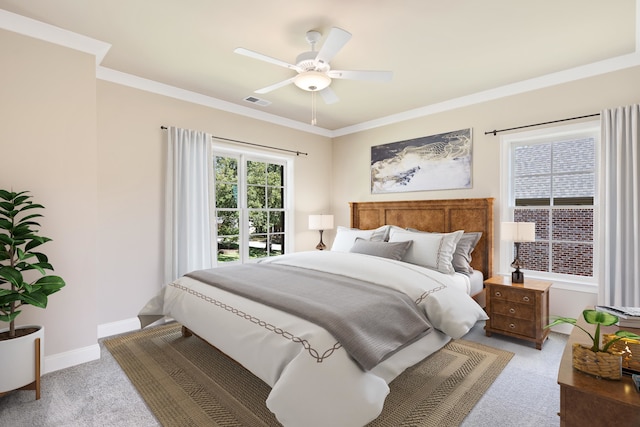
[{"x": 519, "y": 310}]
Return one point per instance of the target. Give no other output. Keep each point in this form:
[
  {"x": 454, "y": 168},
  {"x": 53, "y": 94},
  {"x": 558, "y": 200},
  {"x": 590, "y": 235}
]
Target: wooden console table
[{"x": 589, "y": 401}]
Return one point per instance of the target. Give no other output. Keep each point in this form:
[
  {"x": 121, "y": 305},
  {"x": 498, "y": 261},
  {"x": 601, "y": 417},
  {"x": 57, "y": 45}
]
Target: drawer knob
[
  {"x": 527, "y": 299},
  {"x": 512, "y": 310},
  {"x": 512, "y": 325},
  {"x": 498, "y": 293}
]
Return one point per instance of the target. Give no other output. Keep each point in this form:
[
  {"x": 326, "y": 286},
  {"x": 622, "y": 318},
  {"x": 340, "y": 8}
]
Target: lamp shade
[
  {"x": 320, "y": 222},
  {"x": 518, "y": 231}
]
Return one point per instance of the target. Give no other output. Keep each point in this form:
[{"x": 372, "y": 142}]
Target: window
[
  {"x": 552, "y": 181},
  {"x": 250, "y": 207}
]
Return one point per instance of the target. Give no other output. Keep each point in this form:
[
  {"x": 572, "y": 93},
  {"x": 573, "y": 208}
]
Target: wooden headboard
[{"x": 441, "y": 216}]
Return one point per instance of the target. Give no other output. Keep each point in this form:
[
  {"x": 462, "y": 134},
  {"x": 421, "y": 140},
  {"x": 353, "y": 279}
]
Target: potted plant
[
  {"x": 597, "y": 359},
  {"x": 23, "y": 281}
]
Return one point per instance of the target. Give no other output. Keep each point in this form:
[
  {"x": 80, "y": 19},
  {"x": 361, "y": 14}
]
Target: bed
[{"x": 317, "y": 379}]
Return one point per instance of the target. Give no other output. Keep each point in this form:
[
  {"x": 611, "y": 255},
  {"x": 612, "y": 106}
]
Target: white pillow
[
  {"x": 431, "y": 250},
  {"x": 453, "y": 312},
  {"x": 462, "y": 255},
  {"x": 346, "y": 237}
]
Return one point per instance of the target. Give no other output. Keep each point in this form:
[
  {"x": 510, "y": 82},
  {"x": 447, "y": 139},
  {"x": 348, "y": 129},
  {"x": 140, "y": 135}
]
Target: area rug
[{"x": 186, "y": 382}]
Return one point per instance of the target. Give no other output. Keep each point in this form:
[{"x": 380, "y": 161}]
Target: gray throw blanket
[{"x": 370, "y": 321}]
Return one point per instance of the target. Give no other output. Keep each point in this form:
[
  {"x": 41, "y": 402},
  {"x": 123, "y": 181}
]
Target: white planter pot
[{"x": 18, "y": 359}]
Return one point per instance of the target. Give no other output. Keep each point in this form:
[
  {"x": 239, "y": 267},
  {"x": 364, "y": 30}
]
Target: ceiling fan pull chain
[{"x": 313, "y": 108}]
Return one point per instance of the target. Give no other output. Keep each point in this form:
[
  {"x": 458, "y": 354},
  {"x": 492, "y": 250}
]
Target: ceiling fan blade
[
  {"x": 261, "y": 57},
  {"x": 335, "y": 41},
  {"x": 329, "y": 96},
  {"x": 381, "y": 76},
  {"x": 275, "y": 86}
]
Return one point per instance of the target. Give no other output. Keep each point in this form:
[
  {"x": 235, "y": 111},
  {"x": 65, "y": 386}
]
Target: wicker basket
[
  {"x": 628, "y": 348},
  {"x": 599, "y": 364}
]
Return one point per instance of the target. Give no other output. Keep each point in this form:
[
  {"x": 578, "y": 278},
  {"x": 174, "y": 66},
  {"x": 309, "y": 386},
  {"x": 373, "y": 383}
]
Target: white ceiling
[{"x": 441, "y": 52}]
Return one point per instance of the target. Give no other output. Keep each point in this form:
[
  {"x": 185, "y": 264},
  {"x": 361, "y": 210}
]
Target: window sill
[{"x": 569, "y": 285}]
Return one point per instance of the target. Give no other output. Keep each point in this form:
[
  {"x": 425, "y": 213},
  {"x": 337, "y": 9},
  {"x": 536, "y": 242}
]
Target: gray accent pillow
[
  {"x": 380, "y": 234},
  {"x": 462, "y": 256},
  {"x": 381, "y": 249}
]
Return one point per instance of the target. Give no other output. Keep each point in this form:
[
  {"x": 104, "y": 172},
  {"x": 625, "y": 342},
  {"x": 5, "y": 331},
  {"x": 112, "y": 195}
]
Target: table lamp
[
  {"x": 320, "y": 223},
  {"x": 518, "y": 232}
]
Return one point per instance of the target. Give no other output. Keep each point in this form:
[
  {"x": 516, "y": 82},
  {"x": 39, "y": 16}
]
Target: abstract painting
[{"x": 436, "y": 162}]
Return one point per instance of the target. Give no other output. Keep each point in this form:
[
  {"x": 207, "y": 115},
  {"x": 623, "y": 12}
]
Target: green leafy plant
[
  {"x": 595, "y": 317},
  {"x": 19, "y": 240}
]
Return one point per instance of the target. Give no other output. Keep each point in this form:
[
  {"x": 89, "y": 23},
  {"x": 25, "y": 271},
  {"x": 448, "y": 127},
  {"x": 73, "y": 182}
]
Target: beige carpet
[{"x": 186, "y": 382}]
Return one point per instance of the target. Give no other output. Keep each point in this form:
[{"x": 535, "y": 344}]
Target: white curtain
[
  {"x": 620, "y": 275},
  {"x": 187, "y": 219}
]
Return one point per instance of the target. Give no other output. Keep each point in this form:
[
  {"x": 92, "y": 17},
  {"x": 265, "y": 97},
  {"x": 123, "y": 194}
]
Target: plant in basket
[{"x": 599, "y": 359}]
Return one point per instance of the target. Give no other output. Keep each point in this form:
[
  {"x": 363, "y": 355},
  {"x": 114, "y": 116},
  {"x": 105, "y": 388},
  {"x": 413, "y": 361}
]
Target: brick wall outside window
[
  {"x": 552, "y": 177},
  {"x": 571, "y": 249}
]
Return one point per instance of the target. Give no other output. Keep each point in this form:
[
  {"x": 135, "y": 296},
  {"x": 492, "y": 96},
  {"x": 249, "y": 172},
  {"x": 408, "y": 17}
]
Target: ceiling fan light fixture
[{"x": 312, "y": 81}]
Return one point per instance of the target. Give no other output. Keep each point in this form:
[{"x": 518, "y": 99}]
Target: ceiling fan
[{"x": 314, "y": 72}]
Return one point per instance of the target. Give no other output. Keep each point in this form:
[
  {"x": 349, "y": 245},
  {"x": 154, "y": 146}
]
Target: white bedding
[
  {"x": 277, "y": 346},
  {"x": 476, "y": 282}
]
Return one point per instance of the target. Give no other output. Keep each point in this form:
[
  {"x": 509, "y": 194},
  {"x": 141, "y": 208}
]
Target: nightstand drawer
[
  {"x": 513, "y": 309},
  {"x": 512, "y": 325},
  {"x": 504, "y": 293}
]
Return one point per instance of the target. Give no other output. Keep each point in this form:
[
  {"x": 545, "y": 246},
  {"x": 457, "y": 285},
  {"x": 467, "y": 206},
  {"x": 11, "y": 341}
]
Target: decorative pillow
[
  {"x": 431, "y": 250},
  {"x": 380, "y": 234},
  {"x": 462, "y": 255},
  {"x": 381, "y": 249},
  {"x": 392, "y": 228},
  {"x": 453, "y": 312},
  {"x": 346, "y": 237}
]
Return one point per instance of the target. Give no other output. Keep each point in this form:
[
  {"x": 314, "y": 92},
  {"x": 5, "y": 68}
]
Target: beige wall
[
  {"x": 131, "y": 153},
  {"x": 351, "y": 153},
  {"x": 48, "y": 145}
]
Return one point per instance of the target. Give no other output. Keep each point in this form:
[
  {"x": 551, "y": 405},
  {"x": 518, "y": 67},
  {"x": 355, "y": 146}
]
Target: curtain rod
[
  {"x": 494, "y": 132},
  {"x": 297, "y": 153}
]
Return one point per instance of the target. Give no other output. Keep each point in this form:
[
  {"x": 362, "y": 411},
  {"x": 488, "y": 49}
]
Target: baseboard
[
  {"x": 119, "y": 327},
  {"x": 58, "y": 361}
]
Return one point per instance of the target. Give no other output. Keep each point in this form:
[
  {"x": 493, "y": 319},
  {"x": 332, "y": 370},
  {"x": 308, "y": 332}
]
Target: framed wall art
[{"x": 435, "y": 162}]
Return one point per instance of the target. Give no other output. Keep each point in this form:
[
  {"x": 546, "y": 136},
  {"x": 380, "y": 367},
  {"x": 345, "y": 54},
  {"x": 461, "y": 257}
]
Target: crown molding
[
  {"x": 152, "y": 86},
  {"x": 36, "y": 29},
  {"x": 553, "y": 79},
  {"x": 52, "y": 34}
]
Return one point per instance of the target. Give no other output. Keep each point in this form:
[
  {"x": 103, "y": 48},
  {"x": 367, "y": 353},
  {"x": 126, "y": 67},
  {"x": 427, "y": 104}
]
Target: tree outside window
[{"x": 250, "y": 208}]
